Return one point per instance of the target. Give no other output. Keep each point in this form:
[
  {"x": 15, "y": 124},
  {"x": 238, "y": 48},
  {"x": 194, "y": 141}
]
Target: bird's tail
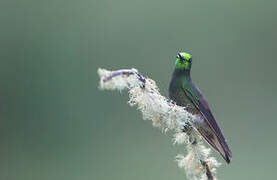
[{"x": 217, "y": 141}]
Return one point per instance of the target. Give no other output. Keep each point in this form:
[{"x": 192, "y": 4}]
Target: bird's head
[{"x": 183, "y": 61}]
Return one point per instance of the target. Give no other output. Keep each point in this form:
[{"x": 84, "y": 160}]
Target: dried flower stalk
[{"x": 166, "y": 115}]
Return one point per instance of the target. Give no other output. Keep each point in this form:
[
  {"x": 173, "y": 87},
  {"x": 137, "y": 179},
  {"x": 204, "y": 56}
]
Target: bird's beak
[{"x": 180, "y": 57}]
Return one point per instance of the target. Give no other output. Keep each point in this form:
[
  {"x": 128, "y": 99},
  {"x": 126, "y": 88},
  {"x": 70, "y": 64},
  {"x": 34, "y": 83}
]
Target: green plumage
[{"x": 185, "y": 93}]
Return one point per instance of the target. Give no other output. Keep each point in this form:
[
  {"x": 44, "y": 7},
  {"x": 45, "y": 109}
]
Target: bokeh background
[{"x": 55, "y": 124}]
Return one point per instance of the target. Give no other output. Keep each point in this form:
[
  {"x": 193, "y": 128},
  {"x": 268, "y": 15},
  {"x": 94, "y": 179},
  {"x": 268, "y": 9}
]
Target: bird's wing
[{"x": 200, "y": 103}]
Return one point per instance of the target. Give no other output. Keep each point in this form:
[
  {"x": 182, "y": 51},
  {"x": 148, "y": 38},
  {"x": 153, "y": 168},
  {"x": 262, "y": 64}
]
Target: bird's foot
[{"x": 187, "y": 128}]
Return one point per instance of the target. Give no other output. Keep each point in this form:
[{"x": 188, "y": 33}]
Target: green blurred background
[{"x": 56, "y": 125}]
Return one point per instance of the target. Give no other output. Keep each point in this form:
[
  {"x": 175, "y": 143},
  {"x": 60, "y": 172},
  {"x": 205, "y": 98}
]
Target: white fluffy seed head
[{"x": 164, "y": 114}]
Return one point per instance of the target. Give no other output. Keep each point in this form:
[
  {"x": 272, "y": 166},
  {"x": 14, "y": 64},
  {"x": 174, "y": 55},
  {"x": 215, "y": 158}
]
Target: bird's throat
[{"x": 183, "y": 75}]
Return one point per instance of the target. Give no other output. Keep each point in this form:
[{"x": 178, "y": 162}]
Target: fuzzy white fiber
[{"x": 163, "y": 113}]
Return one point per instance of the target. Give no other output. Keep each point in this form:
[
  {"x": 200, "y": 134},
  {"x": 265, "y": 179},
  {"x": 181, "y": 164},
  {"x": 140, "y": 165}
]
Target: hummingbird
[{"x": 185, "y": 93}]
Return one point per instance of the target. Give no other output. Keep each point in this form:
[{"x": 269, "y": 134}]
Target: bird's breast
[{"x": 180, "y": 98}]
